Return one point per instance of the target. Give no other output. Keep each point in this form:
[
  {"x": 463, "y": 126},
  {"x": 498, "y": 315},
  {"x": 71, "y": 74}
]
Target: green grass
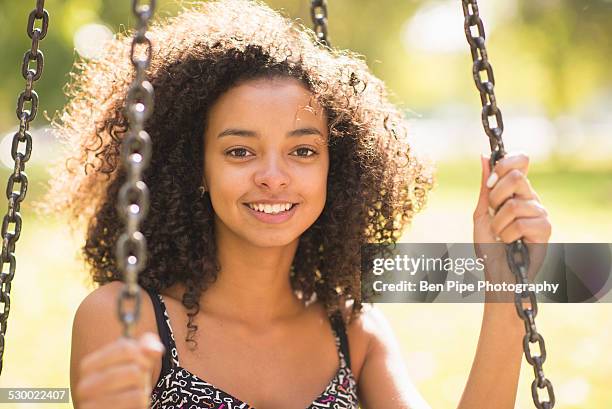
[{"x": 437, "y": 340}]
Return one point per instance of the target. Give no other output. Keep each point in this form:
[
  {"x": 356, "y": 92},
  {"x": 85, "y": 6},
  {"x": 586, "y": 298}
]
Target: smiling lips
[
  {"x": 272, "y": 212},
  {"x": 271, "y": 208}
]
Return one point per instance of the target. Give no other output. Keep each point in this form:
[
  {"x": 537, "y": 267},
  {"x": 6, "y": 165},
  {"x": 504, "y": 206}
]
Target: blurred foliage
[{"x": 552, "y": 52}]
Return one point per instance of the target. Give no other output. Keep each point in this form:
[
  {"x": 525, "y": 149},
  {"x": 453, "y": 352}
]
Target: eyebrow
[{"x": 253, "y": 134}]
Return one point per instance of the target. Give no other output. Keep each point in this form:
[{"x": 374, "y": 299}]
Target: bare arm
[
  {"x": 510, "y": 209},
  {"x": 96, "y": 325},
  {"x": 516, "y": 212},
  {"x": 92, "y": 328},
  {"x": 384, "y": 381},
  {"x": 497, "y": 362}
]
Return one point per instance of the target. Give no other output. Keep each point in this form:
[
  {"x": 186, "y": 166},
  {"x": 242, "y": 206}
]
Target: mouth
[{"x": 271, "y": 213}]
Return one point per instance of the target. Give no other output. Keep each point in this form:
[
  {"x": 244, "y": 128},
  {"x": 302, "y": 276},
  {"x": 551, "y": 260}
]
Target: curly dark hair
[{"x": 375, "y": 182}]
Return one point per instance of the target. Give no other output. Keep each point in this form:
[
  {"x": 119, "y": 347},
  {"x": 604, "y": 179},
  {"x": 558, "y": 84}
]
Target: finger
[
  {"x": 151, "y": 346},
  {"x": 123, "y": 350},
  {"x": 483, "y": 203},
  {"x": 113, "y": 380},
  {"x": 517, "y": 160},
  {"x": 131, "y": 399},
  {"x": 531, "y": 230},
  {"x": 513, "y": 209},
  {"x": 512, "y": 184}
]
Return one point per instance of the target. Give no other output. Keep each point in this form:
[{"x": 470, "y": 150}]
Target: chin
[{"x": 276, "y": 239}]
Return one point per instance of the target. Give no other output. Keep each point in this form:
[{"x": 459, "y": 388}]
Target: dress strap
[
  {"x": 341, "y": 338},
  {"x": 170, "y": 358}
]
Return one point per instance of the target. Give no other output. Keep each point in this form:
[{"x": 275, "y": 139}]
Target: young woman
[{"x": 273, "y": 162}]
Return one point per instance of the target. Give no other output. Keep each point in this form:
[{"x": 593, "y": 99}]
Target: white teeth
[{"x": 270, "y": 209}]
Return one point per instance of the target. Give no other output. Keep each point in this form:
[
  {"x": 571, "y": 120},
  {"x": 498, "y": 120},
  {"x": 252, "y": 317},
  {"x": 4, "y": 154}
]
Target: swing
[
  {"x": 25, "y": 116},
  {"x": 517, "y": 253},
  {"x": 131, "y": 253}
]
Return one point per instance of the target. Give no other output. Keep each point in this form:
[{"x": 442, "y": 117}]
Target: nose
[{"x": 272, "y": 174}]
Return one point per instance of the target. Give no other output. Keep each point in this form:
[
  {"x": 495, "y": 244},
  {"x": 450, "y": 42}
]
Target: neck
[{"x": 253, "y": 285}]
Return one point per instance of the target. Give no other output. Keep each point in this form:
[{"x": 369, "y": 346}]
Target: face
[{"x": 266, "y": 161}]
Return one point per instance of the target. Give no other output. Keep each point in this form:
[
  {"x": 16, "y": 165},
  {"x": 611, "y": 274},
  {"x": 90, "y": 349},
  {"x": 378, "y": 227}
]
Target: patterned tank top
[{"x": 177, "y": 388}]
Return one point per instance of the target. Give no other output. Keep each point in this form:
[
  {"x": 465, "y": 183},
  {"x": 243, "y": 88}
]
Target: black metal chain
[
  {"x": 25, "y": 116},
  {"x": 318, "y": 14},
  {"x": 131, "y": 250},
  {"x": 517, "y": 253}
]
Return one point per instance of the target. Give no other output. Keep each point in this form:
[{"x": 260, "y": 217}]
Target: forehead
[{"x": 280, "y": 101}]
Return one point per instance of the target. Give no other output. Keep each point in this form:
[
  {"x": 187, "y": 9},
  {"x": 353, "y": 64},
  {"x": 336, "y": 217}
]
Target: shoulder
[
  {"x": 383, "y": 374},
  {"x": 366, "y": 332},
  {"x": 100, "y": 308},
  {"x": 99, "y": 299},
  {"x": 371, "y": 326},
  {"x": 375, "y": 325},
  {"x": 96, "y": 323}
]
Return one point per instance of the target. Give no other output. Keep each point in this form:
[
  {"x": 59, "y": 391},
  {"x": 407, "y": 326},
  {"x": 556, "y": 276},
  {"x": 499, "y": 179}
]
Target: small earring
[{"x": 202, "y": 190}]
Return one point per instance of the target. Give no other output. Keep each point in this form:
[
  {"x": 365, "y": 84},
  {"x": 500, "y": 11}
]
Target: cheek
[
  {"x": 226, "y": 190},
  {"x": 223, "y": 185},
  {"x": 216, "y": 170},
  {"x": 315, "y": 183}
]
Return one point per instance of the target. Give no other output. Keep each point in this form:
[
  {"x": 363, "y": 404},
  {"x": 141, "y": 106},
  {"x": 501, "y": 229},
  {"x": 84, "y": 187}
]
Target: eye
[
  {"x": 305, "y": 151},
  {"x": 238, "y": 153}
]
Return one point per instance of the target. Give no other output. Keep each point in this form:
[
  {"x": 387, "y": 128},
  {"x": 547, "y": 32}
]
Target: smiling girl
[{"x": 273, "y": 162}]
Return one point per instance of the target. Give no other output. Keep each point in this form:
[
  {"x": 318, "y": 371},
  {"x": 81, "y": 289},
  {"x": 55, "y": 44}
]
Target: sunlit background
[{"x": 551, "y": 60}]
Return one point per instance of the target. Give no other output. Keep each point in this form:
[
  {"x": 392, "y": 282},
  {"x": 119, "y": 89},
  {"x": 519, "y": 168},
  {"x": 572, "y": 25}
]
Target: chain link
[
  {"x": 26, "y": 116},
  {"x": 133, "y": 201},
  {"x": 517, "y": 253},
  {"x": 318, "y": 14}
]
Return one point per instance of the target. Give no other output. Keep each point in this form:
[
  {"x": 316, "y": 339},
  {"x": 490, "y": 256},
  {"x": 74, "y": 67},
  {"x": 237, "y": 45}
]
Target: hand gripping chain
[{"x": 517, "y": 253}]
